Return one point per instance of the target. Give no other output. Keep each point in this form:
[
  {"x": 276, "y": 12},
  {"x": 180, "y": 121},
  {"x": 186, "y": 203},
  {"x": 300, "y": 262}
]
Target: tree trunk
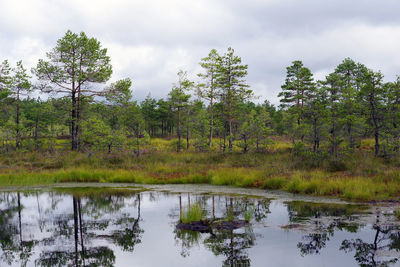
[
  {"x": 211, "y": 121},
  {"x": 257, "y": 144},
  {"x": 351, "y": 138},
  {"x": 74, "y": 202},
  {"x": 187, "y": 136},
  {"x": 179, "y": 129},
  {"x": 78, "y": 120},
  {"x": 19, "y": 217},
  {"x": 35, "y": 136},
  {"x": 138, "y": 143},
  {"x": 376, "y": 127},
  {"x": 315, "y": 135},
  {"x": 73, "y": 122},
  {"x": 17, "y": 137},
  {"x": 81, "y": 228},
  {"x": 224, "y": 146},
  {"x": 333, "y": 130},
  {"x": 230, "y": 124},
  {"x": 180, "y": 208}
]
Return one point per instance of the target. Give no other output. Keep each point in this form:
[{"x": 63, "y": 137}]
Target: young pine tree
[
  {"x": 232, "y": 87},
  {"x": 20, "y": 86},
  {"x": 207, "y": 89},
  {"x": 298, "y": 87},
  {"x": 179, "y": 100}
]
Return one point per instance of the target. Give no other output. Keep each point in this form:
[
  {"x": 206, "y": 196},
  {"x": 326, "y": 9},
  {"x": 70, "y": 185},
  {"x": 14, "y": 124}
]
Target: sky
[{"x": 149, "y": 41}]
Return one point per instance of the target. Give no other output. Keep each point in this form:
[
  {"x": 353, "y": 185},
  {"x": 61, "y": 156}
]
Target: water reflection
[
  {"x": 73, "y": 233},
  {"x": 232, "y": 245},
  {"x": 225, "y": 237},
  {"x": 380, "y": 252},
  {"x": 125, "y": 227},
  {"x": 383, "y": 251}
]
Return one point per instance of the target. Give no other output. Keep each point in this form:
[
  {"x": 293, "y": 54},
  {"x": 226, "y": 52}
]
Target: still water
[{"x": 96, "y": 226}]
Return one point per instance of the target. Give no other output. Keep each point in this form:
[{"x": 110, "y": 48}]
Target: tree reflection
[
  {"x": 323, "y": 220},
  {"x": 224, "y": 238},
  {"x": 72, "y": 236},
  {"x": 377, "y": 253},
  {"x": 232, "y": 245},
  {"x": 131, "y": 233},
  {"x": 8, "y": 229},
  {"x": 383, "y": 251},
  {"x": 78, "y": 255},
  {"x": 14, "y": 247},
  {"x": 187, "y": 240},
  {"x": 314, "y": 242}
]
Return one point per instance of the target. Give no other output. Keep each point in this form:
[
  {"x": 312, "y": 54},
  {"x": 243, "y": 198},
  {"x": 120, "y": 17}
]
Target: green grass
[
  {"x": 359, "y": 176},
  {"x": 397, "y": 214},
  {"x": 193, "y": 213},
  {"x": 248, "y": 214}
]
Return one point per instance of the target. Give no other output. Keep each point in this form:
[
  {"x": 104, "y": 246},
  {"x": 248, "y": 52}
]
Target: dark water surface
[{"x": 132, "y": 227}]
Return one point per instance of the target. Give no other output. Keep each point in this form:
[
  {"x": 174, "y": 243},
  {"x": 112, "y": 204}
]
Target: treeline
[{"x": 215, "y": 112}]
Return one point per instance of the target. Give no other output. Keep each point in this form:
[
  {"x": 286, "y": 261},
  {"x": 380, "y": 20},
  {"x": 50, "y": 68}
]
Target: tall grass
[
  {"x": 365, "y": 177},
  {"x": 193, "y": 213}
]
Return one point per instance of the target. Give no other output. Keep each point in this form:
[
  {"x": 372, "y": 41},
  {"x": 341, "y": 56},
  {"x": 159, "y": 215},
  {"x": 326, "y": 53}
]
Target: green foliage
[
  {"x": 95, "y": 133},
  {"x": 72, "y": 65},
  {"x": 298, "y": 88},
  {"x": 119, "y": 93}
]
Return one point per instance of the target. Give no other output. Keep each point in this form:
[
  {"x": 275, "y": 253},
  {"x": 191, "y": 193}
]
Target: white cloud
[{"x": 149, "y": 41}]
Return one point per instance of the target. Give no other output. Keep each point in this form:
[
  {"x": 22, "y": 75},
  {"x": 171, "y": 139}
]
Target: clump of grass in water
[
  {"x": 194, "y": 213},
  {"x": 248, "y": 214},
  {"x": 397, "y": 214}
]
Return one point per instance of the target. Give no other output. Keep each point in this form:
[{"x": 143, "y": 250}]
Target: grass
[
  {"x": 397, "y": 214},
  {"x": 358, "y": 176},
  {"x": 248, "y": 214},
  {"x": 193, "y": 213}
]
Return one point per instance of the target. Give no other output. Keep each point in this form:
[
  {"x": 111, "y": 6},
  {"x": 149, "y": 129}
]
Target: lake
[{"x": 117, "y": 225}]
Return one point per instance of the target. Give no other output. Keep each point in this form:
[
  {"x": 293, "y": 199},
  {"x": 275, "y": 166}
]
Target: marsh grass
[
  {"x": 364, "y": 177},
  {"x": 397, "y": 214},
  {"x": 248, "y": 214},
  {"x": 193, "y": 213}
]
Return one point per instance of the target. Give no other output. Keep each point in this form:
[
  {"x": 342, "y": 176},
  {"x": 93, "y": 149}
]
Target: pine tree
[
  {"x": 207, "y": 89},
  {"x": 20, "y": 86},
  {"x": 179, "y": 99},
  {"x": 349, "y": 80},
  {"x": 232, "y": 87},
  {"x": 72, "y": 65},
  {"x": 298, "y": 88},
  {"x": 372, "y": 96}
]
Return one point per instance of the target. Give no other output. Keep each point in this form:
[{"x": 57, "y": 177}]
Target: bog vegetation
[{"x": 338, "y": 136}]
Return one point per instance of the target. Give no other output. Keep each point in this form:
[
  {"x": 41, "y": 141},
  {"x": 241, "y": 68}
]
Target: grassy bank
[{"x": 359, "y": 177}]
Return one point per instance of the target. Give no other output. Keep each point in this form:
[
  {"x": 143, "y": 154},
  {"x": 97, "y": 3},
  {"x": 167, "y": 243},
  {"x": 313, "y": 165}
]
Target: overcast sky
[{"x": 150, "y": 40}]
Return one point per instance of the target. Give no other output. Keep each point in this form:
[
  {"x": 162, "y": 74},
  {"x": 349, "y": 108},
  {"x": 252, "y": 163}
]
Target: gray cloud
[{"x": 150, "y": 41}]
